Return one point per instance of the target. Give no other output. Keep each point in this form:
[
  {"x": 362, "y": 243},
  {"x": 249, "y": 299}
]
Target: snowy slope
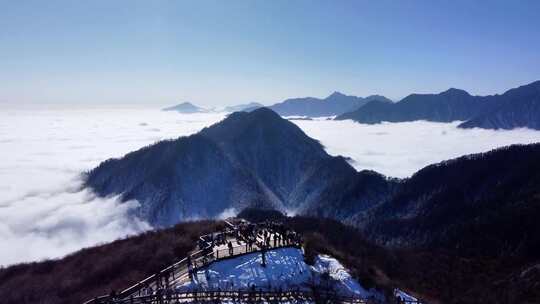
[
  {"x": 285, "y": 269},
  {"x": 404, "y": 296},
  {"x": 347, "y": 285}
]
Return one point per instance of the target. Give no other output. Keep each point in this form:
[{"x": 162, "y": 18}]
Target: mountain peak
[
  {"x": 253, "y": 124},
  {"x": 336, "y": 94},
  {"x": 262, "y": 114},
  {"x": 185, "y": 107},
  {"x": 335, "y": 104},
  {"x": 241, "y": 123},
  {"x": 378, "y": 98},
  {"x": 247, "y": 159},
  {"x": 455, "y": 92}
]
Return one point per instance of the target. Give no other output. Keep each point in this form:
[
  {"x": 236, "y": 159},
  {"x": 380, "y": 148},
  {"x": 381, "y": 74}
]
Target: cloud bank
[
  {"x": 51, "y": 224},
  {"x": 401, "y": 149},
  {"x": 43, "y": 211},
  {"x": 45, "y": 214}
]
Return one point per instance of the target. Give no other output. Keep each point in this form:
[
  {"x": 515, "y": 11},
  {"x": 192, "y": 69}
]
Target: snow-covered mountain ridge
[{"x": 249, "y": 159}]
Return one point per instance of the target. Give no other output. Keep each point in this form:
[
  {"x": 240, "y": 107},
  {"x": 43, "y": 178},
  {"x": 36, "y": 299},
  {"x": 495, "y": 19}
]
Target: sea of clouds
[
  {"x": 401, "y": 149},
  {"x": 44, "y": 213}
]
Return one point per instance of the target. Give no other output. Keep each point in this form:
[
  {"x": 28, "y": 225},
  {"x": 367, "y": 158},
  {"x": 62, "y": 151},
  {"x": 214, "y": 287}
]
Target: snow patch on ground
[
  {"x": 285, "y": 267},
  {"x": 285, "y": 270},
  {"x": 404, "y": 296},
  {"x": 347, "y": 285}
]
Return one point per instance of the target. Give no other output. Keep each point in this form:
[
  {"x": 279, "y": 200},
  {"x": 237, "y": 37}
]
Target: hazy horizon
[
  {"x": 214, "y": 53},
  {"x": 161, "y": 105}
]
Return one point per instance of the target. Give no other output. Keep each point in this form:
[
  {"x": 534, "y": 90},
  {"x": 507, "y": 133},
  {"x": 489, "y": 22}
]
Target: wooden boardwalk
[
  {"x": 211, "y": 248},
  {"x": 160, "y": 287}
]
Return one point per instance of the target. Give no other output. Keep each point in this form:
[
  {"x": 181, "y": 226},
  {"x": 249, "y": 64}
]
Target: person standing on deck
[
  {"x": 190, "y": 267},
  {"x": 263, "y": 252}
]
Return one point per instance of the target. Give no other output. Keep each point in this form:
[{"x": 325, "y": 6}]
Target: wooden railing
[{"x": 241, "y": 296}]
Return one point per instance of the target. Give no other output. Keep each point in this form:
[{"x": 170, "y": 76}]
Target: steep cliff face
[{"x": 248, "y": 159}]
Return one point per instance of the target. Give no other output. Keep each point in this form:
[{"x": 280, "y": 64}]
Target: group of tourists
[
  {"x": 216, "y": 239},
  {"x": 267, "y": 234}
]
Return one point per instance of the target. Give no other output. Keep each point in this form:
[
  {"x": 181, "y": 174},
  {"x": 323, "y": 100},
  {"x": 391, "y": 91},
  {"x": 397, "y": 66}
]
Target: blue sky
[{"x": 227, "y": 52}]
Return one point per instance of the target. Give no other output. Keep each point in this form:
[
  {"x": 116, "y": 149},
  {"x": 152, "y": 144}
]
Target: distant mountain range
[
  {"x": 516, "y": 108},
  {"x": 335, "y": 104},
  {"x": 482, "y": 202},
  {"x": 187, "y": 108},
  {"x": 447, "y": 106},
  {"x": 519, "y": 107}
]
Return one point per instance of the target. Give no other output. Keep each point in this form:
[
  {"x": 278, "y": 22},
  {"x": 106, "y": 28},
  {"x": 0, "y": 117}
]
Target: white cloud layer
[
  {"x": 43, "y": 211},
  {"x": 44, "y": 214},
  {"x": 401, "y": 149}
]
